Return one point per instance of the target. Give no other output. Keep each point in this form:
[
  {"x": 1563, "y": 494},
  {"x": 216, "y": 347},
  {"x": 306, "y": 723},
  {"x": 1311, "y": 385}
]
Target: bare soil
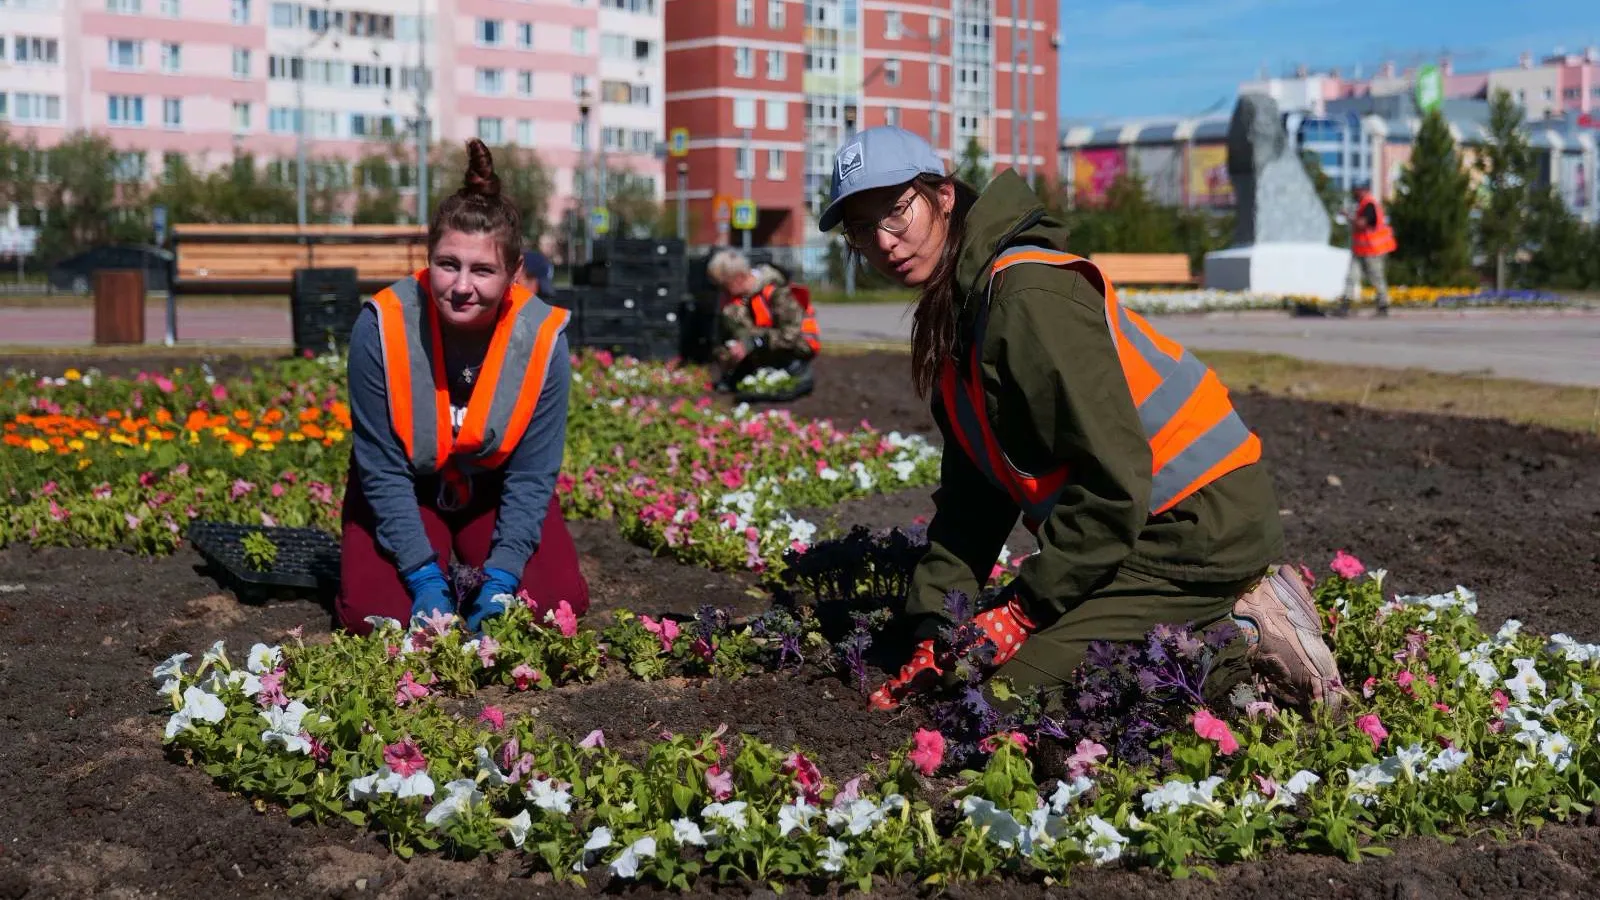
[{"x": 93, "y": 808}]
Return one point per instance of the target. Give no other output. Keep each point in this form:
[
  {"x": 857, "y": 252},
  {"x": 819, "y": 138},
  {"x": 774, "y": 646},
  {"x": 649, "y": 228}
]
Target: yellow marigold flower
[
  {"x": 296, "y": 437},
  {"x": 76, "y": 445},
  {"x": 335, "y": 434},
  {"x": 38, "y": 445},
  {"x": 72, "y": 375},
  {"x": 83, "y": 463},
  {"x": 91, "y": 434},
  {"x": 239, "y": 449}
]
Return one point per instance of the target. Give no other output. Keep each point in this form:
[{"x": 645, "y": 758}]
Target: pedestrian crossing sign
[
  {"x": 678, "y": 142},
  {"x": 600, "y": 221},
  {"x": 744, "y": 215}
]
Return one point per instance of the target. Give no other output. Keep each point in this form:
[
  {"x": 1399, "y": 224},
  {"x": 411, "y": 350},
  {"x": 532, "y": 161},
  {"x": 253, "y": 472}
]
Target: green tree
[
  {"x": 90, "y": 194},
  {"x": 1127, "y": 221},
  {"x": 635, "y": 211},
  {"x": 377, "y": 185},
  {"x": 523, "y": 180},
  {"x": 972, "y": 167},
  {"x": 1332, "y": 198},
  {"x": 1507, "y": 166},
  {"x": 1557, "y": 245},
  {"x": 1432, "y": 212}
]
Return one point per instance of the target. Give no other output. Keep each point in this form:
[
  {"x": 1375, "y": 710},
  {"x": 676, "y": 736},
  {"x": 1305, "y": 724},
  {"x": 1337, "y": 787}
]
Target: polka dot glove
[
  {"x": 920, "y": 673},
  {"x": 1006, "y": 627}
]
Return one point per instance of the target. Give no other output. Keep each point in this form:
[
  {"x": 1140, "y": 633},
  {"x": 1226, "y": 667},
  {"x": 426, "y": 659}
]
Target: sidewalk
[{"x": 246, "y": 325}]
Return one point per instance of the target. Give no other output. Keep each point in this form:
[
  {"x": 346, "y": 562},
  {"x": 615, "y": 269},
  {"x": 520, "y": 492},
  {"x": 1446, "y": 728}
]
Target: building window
[
  {"x": 525, "y": 35},
  {"x": 171, "y": 9},
  {"x": 489, "y": 130},
  {"x": 892, "y": 26},
  {"x": 491, "y": 82},
  {"x": 241, "y": 62},
  {"x": 3, "y": 97},
  {"x": 579, "y": 138},
  {"x": 125, "y": 109},
  {"x": 775, "y": 14},
  {"x": 525, "y": 132},
  {"x": 123, "y": 7},
  {"x": 580, "y": 86},
  {"x": 891, "y": 72},
  {"x": 171, "y": 57},
  {"x": 129, "y": 166},
  {"x": 743, "y": 164},
  {"x": 744, "y": 64},
  {"x": 933, "y": 77},
  {"x": 489, "y": 32},
  {"x": 891, "y": 116},
  {"x": 745, "y": 12},
  {"x": 287, "y": 15},
  {"x": 744, "y": 112},
  {"x": 776, "y": 165},
  {"x": 525, "y": 83},
  {"x": 172, "y": 112},
  {"x": 241, "y": 116},
  {"x": 124, "y": 54},
  {"x": 776, "y": 67},
  {"x": 283, "y": 120},
  {"x": 778, "y": 115},
  {"x": 580, "y": 40},
  {"x": 240, "y": 12},
  {"x": 37, "y": 108}
]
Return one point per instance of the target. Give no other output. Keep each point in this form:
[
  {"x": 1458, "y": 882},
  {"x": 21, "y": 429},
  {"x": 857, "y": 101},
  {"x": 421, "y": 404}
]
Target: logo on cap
[{"x": 850, "y": 160}]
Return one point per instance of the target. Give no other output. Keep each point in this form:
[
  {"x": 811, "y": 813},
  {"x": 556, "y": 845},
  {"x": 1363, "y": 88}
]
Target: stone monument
[{"x": 1280, "y": 243}]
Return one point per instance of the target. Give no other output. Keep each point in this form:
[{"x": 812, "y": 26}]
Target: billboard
[
  {"x": 1209, "y": 184},
  {"x": 1162, "y": 171},
  {"x": 1575, "y": 181},
  {"x": 1093, "y": 171}
]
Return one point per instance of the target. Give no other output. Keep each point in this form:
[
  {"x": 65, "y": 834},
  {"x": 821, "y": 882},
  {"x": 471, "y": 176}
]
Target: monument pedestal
[{"x": 1310, "y": 270}]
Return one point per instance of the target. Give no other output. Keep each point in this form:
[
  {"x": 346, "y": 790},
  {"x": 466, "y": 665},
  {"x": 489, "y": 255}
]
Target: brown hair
[
  {"x": 933, "y": 325},
  {"x": 479, "y": 208}
]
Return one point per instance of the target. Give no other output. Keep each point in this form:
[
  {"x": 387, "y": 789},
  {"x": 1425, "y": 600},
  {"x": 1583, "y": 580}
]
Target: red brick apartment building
[{"x": 768, "y": 89}]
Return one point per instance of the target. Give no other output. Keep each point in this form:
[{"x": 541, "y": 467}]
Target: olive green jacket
[{"x": 1056, "y": 395}]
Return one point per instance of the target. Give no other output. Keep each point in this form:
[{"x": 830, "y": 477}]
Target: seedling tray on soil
[
  {"x": 308, "y": 558},
  {"x": 782, "y": 396}
]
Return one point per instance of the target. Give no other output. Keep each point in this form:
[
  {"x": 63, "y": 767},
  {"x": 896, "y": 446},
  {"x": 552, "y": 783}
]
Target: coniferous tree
[
  {"x": 971, "y": 168},
  {"x": 1432, "y": 212},
  {"x": 1507, "y": 166}
]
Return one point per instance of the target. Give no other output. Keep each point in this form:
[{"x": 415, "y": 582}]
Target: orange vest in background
[
  {"x": 1374, "y": 241},
  {"x": 761, "y": 313},
  {"x": 1195, "y": 435}
]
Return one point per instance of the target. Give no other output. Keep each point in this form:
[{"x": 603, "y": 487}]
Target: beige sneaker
[{"x": 1279, "y": 619}]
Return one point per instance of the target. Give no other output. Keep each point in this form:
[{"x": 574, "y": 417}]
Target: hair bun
[{"x": 480, "y": 180}]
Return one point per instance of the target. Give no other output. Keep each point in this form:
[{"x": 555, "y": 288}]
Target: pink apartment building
[{"x": 207, "y": 78}]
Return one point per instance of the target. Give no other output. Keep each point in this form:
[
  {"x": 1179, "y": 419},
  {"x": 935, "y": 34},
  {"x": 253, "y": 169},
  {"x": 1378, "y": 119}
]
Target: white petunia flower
[
  {"x": 250, "y": 684},
  {"x": 547, "y": 796},
  {"x": 856, "y": 817},
  {"x": 1556, "y": 749},
  {"x": 687, "y": 832},
  {"x": 1508, "y": 632},
  {"x": 417, "y": 784},
  {"x": 832, "y": 855},
  {"x": 1068, "y": 791},
  {"x": 518, "y": 826},
  {"x": 169, "y": 672},
  {"x": 1004, "y": 830},
  {"x": 1448, "y": 760},
  {"x": 796, "y": 816},
  {"x": 731, "y": 813},
  {"x": 1487, "y": 673},
  {"x": 626, "y": 865},
  {"x": 284, "y": 726},
  {"x": 1300, "y": 782},
  {"x": 459, "y": 796},
  {"x": 1104, "y": 842},
  {"x": 488, "y": 770},
  {"x": 263, "y": 659},
  {"x": 199, "y": 705},
  {"x": 217, "y": 655},
  {"x": 1525, "y": 682}
]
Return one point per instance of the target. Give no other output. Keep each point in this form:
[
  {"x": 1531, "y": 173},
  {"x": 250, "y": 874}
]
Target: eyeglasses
[{"x": 899, "y": 218}]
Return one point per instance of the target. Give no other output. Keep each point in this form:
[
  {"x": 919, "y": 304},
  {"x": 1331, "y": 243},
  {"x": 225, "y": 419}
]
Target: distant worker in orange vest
[
  {"x": 1371, "y": 242},
  {"x": 763, "y": 324},
  {"x": 458, "y": 380}
]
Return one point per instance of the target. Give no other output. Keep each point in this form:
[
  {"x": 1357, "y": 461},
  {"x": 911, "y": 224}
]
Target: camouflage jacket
[{"x": 738, "y": 322}]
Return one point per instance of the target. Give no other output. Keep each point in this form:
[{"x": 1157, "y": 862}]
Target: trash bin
[
  {"x": 324, "y": 305},
  {"x": 119, "y": 306}
]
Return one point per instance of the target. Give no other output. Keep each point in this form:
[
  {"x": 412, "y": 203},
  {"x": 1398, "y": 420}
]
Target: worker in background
[
  {"x": 538, "y": 271},
  {"x": 762, "y": 324},
  {"x": 1371, "y": 242}
]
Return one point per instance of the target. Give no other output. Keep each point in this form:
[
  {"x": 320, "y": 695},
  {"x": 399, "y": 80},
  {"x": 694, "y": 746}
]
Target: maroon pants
[{"x": 370, "y": 584}]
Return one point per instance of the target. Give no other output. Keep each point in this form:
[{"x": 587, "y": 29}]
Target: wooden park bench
[
  {"x": 261, "y": 259},
  {"x": 1146, "y": 268}
]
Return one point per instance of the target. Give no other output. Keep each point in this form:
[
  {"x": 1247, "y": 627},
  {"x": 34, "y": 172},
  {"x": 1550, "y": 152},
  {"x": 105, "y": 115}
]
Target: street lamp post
[
  {"x": 683, "y": 200},
  {"x": 300, "y": 119},
  {"x": 749, "y": 179},
  {"x": 583, "y": 165},
  {"x": 849, "y": 264},
  {"x": 424, "y": 133}
]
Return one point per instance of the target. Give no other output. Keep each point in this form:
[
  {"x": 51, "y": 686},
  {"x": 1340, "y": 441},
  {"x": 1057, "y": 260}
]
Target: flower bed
[
  {"x": 1154, "y": 301},
  {"x": 1448, "y": 729},
  {"x": 106, "y": 462}
]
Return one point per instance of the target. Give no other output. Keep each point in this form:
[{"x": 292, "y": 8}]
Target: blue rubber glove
[
  {"x": 482, "y": 606},
  {"x": 430, "y": 592}
]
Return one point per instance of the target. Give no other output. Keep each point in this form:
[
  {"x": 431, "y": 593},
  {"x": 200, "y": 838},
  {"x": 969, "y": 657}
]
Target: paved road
[{"x": 1555, "y": 346}]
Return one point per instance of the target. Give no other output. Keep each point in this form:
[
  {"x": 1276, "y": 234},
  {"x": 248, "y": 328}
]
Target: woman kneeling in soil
[
  {"x": 763, "y": 325},
  {"x": 1121, "y": 451},
  {"x": 458, "y": 390}
]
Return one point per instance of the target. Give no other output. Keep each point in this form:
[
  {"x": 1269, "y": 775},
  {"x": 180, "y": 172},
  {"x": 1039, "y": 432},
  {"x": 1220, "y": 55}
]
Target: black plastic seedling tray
[{"x": 308, "y": 558}]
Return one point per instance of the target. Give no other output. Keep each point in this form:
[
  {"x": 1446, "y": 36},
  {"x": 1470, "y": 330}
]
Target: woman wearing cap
[
  {"x": 1120, "y": 451},
  {"x": 458, "y": 391}
]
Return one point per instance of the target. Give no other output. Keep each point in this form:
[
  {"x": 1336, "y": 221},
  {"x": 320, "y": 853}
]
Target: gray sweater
[{"x": 390, "y": 485}]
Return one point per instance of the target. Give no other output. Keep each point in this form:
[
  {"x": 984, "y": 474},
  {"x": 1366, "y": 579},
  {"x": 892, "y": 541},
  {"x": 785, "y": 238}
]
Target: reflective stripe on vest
[
  {"x": 761, "y": 314},
  {"x": 504, "y": 398},
  {"x": 1374, "y": 241},
  {"x": 1194, "y": 433}
]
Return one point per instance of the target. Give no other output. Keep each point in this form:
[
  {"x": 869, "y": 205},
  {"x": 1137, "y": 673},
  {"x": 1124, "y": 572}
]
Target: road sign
[
  {"x": 744, "y": 215},
  {"x": 678, "y": 142},
  {"x": 158, "y": 219},
  {"x": 600, "y": 221},
  {"x": 1430, "y": 88}
]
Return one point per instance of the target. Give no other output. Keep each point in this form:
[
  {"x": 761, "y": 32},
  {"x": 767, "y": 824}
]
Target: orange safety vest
[
  {"x": 503, "y": 400},
  {"x": 1374, "y": 241},
  {"x": 1195, "y": 435},
  {"x": 761, "y": 312}
]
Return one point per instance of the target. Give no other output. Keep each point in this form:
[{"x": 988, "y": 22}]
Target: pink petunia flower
[
  {"x": 566, "y": 619},
  {"x": 1083, "y": 759},
  {"x": 240, "y": 488},
  {"x": 272, "y": 694},
  {"x": 408, "y": 690},
  {"x": 487, "y": 648},
  {"x": 1214, "y": 729},
  {"x": 1346, "y": 566},
  {"x": 1500, "y": 700},
  {"x": 928, "y": 752},
  {"x": 1373, "y": 727},
  {"x": 666, "y": 630},
  {"x": 524, "y": 676},
  {"x": 404, "y": 759},
  {"x": 494, "y": 717},
  {"x": 595, "y": 738},
  {"x": 807, "y": 777},
  {"x": 720, "y": 783}
]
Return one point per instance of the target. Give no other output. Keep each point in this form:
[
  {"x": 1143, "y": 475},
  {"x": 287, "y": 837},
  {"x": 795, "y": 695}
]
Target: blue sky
[{"x": 1171, "y": 57}]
